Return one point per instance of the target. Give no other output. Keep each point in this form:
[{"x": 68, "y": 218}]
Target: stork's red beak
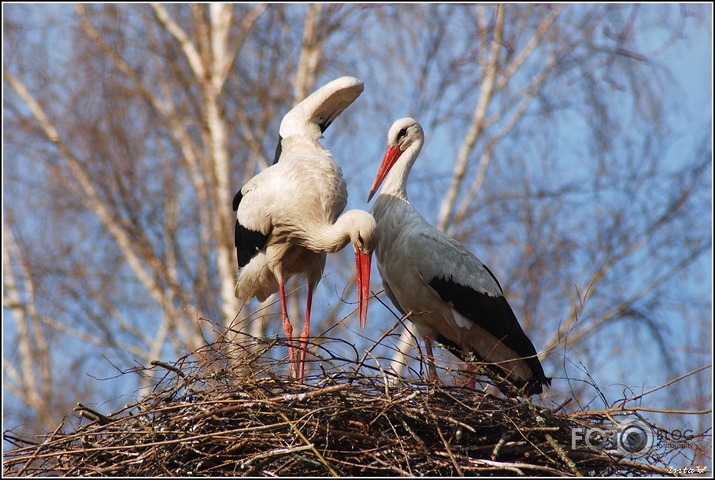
[
  {"x": 362, "y": 267},
  {"x": 391, "y": 156}
]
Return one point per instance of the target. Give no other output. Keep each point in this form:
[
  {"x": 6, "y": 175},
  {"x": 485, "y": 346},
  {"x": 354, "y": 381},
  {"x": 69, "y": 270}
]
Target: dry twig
[{"x": 215, "y": 419}]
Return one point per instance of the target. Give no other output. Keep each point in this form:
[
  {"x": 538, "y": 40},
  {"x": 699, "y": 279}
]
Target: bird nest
[{"x": 208, "y": 416}]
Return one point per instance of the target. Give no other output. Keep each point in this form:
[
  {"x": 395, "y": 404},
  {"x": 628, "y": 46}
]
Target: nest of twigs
[{"x": 211, "y": 416}]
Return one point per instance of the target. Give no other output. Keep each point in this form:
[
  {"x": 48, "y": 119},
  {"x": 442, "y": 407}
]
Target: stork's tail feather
[
  {"x": 512, "y": 387},
  {"x": 498, "y": 372},
  {"x": 533, "y": 386},
  {"x": 256, "y": 280}
]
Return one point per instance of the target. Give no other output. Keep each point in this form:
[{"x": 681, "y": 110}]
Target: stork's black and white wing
[
  {"x": 485, "y": 319},
  {"x": 252, "y": 205}
]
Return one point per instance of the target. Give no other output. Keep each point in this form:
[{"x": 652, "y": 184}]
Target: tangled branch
[{"x": 210, "y": 416}]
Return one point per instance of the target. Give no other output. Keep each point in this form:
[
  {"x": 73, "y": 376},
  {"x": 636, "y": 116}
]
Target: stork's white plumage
[
  {"x": 287, "y": 216},
  {"x": 451, "y": 296}
]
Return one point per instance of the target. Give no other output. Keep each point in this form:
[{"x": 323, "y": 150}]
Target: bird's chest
[
  {"x": 293, "y": 259},
  {"x": 400, "y": 272}
]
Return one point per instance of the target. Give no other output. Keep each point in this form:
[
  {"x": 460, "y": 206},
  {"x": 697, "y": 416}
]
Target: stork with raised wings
[
  {"x": 450, "y": 296},
  {"x": 288, "y": 215}
]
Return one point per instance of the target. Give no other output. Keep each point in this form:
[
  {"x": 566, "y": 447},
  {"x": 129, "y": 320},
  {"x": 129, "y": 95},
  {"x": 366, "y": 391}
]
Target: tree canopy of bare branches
[{"x": 564, "y": 148}]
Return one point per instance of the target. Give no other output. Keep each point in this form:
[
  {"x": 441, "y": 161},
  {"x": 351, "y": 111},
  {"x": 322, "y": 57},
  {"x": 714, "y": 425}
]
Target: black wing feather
[
  {"x": 495, "y": 315},
  {"x": 324, "y": 123},
  {"x": 493, "y": 277},
  {"x": 248, "y": 242},
  {"x": 279, "y": 150},
  {"x": 237, "y": 200}
]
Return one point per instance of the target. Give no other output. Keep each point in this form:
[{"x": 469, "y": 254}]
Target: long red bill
[
  {"x": 362, "y": 267},
  {"x": 388, "y": 160}
]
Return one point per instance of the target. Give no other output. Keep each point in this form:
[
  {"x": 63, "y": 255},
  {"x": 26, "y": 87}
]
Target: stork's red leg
[
  {"x": 431, "y": 369},
  {"x": 304, "y": 335},
  {"x": 288, "y": 330}
]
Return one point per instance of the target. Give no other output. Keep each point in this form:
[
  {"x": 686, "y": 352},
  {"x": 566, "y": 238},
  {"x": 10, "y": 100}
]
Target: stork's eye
[
  {"x": 360, "y": 240},
  {"x": 401, "y": 133}
]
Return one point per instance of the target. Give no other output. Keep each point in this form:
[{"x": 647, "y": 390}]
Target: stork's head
[
  {"x": 405, "y": 134},
  {"x": 363, "y": 236}
]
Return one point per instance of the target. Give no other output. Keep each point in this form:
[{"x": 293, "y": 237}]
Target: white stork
[
  {"x": 451, "y": 296},
  {"x": 287, "y": 215}
]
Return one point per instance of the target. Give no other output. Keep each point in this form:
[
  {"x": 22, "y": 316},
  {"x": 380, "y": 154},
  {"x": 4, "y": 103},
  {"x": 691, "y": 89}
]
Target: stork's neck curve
[
  {"x": 395, "y": 183},
  {"x": 334, "y": 237}
]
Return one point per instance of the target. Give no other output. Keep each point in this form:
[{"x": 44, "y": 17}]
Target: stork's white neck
[
  {"x": 333, "y": 237},
  {"x": 395, "y": 183},
  {"x": 329, "y": 238},
  {"x": 294, "y": 144}
]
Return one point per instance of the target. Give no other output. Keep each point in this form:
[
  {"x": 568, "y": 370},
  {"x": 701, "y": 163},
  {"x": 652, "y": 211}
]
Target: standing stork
[
  {"x": 451, "y": 296},
  {"x": 288, "y": 215}
]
